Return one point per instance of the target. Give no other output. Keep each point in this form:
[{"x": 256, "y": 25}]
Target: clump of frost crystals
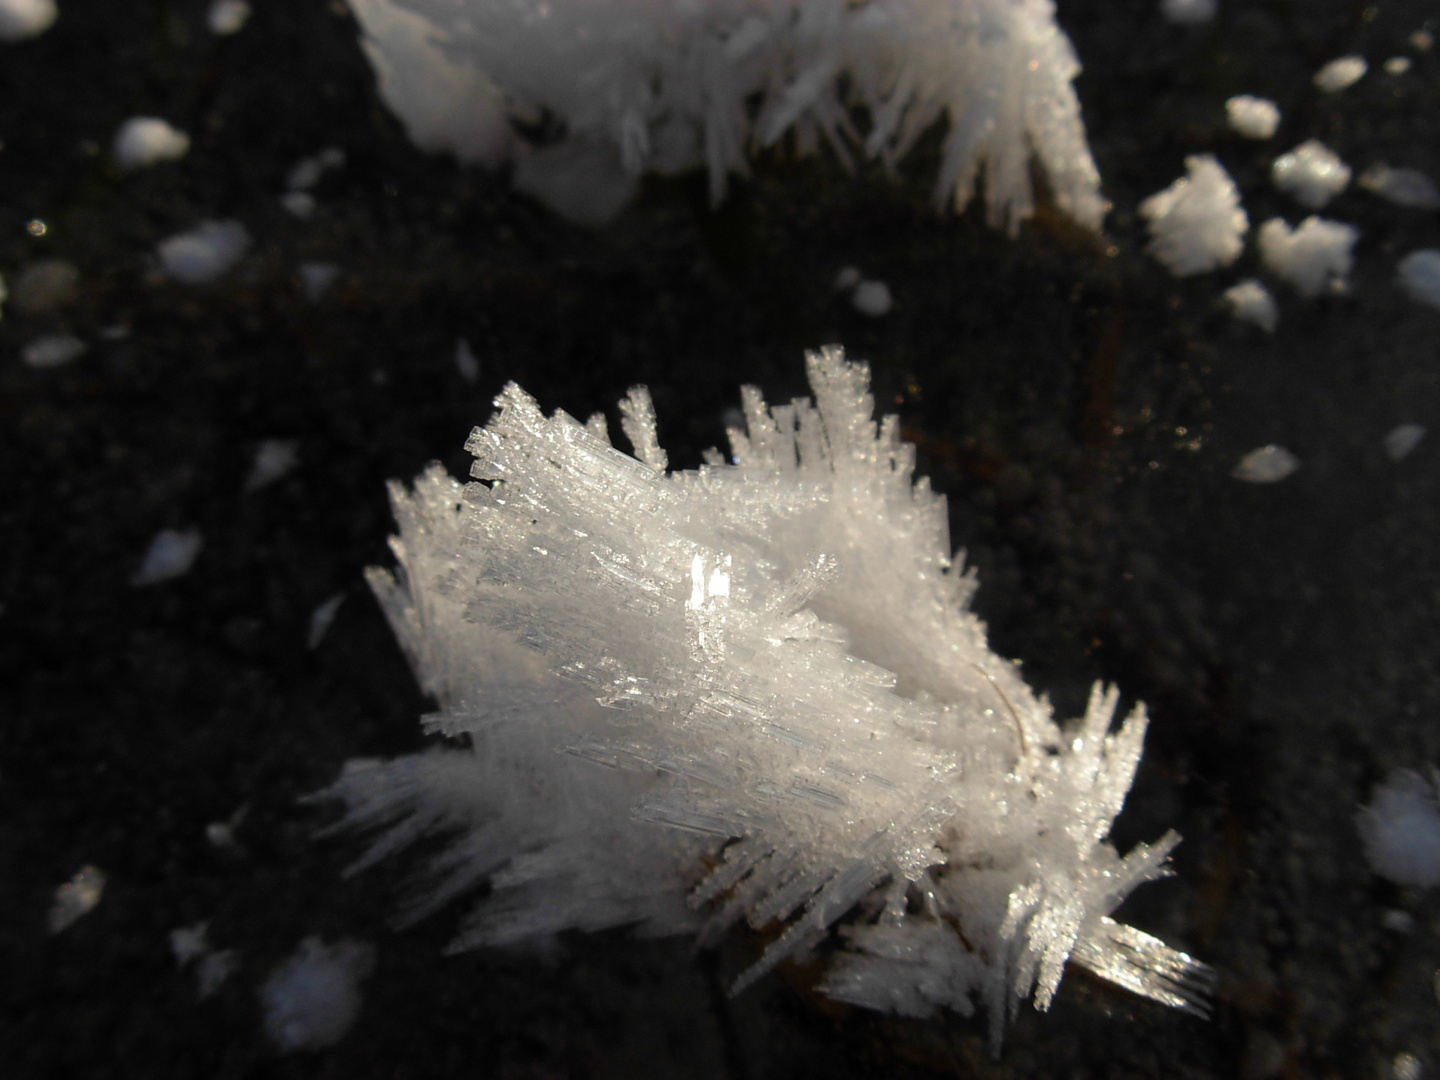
[
  {"x": 769, "y": 701},
  {"x": 640, "y": 85}
]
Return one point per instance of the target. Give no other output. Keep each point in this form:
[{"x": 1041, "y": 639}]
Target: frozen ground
[{"x": 1284, "y": 635}]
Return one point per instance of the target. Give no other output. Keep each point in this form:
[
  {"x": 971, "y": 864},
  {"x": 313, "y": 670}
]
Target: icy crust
[
  {"x": 754, "y": 690},
  {"x": 652, "y": 86}
]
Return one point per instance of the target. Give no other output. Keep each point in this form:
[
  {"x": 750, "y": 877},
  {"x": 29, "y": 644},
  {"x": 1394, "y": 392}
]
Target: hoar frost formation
[
  {"x": 750, "y": 691},
  {"x": 669, "y": 85}
]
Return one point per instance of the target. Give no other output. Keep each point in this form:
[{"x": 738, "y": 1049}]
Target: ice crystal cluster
[
  {"x": 748, "y": 691},
  {"x": 667, "y": 85}
]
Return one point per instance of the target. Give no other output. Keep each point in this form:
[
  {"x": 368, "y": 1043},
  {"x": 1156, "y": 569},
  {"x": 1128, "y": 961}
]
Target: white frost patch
[
  {"x": 226, "y": 17},
  {"x": 1314, "y": 258},
  {"x": 1312, "y": 174},
  {"x": 300, "y": 204},
  {"x": 273, "y": 459},
  {"x": 311, "y": 999},
  {"x": 1340, "y": 73},
  {"x": 1266, "y": 465},
  {"x": 1252, "y": 117},
  {"x": 170, "y": 555},
  {"x": 1401, "y": 830},
  {"x": 1403, "y": 187},
  {"x": 53, "y": 350},
  {"x": 1397, "y": 65},
  {"x": 320, "y": 620},
  {"x": 466, "y": 362},
  {"x": 872, "y": 298},
  {"x": 21, "y": 19},
  {"x": 205, "y": 253},
  {"x": 147, "y": 140},
  {"x": 1402, "y": 440},
  {"x": 1251, "y": 302},
  {"x": 1189, "y": 12},
  {"x": 316, "y": 279},
  {"x": 1197, "y": 223},
  {"x": 1419, "y": 276},
  {"x": 75, "y": 898}
]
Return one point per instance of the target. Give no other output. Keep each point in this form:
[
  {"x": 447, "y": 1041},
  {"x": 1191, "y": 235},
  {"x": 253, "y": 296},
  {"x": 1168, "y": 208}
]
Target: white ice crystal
[
  {"x": 205, "y": 253},
  {"x": 1312, "y": 174},
  {"x": 641, "y": 85},
  {"x": 1197, "y": 223},
  {"x": 1410, "y": 188},
  {"x": 1252, "y": 117},
  {"x": 1419, "y": 276},
  {"x": 1266, "y": 465},
  {"x": 1251, "y": 302},
  {"x": 1339, "y": 73},
  {"x": 749, "y": 691},
  {"x": 148, "y": 140},
  {"x": 312, "y": 998},
  {"x": 1314, "y": 257},
  {"x": 1401, "y": 829}
]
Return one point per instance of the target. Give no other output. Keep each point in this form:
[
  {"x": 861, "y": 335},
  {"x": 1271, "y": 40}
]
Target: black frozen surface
[{"x": 1082, "y": 409}]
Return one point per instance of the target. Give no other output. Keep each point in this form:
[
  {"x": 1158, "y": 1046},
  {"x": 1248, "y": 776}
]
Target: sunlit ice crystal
[{"x": 751, "y": 691}]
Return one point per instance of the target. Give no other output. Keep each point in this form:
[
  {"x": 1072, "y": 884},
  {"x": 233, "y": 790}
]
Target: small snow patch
[
  {"x": 1196, "y": 224},
  {"x": 1402, "y": 440},
  {"x": 22, "y": 19},
  {"x": 76, "y": 897},
  {"x": 872, "y": 298},
  {"x": 273, "y": 459},
  {"x": 1340, "y": 73},
  {"x": 466, "y": 362},
  {"x": 1419, "y": 276},
  {"x": 1251, "y": 302},
  {"x": 311, "y": 999},
  {"x": 308, "y": 171},
  {"x": 320, "y": 620},
  {"x": 1397, "y": 65},
  {"x": 300, "y": 204},
  {"x": 1401, "y": 830},
  {"x": 53, "y": 350},
  {"x": 205, "y": 253},
  {"x": 1266, "y": 465},
  {"x": 316, "y": 278},
  {"x": 1312, "y": 174},
  {"x": 227, "y": 16},
  {"x": 170, "y": 555},
  {"x": 1252, "y": 117},
  {"x": 1313, "y": 258},
  {"x": 148, "y": 140}
]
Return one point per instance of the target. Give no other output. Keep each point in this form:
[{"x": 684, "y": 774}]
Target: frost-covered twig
[{"x": 754, "y": 691}]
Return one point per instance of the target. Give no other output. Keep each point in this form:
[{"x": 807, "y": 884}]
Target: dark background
[{"x": 1283, "y": 636}]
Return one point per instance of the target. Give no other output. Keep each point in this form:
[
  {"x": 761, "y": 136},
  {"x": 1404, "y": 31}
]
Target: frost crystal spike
[{"x": 751, "y": 691}]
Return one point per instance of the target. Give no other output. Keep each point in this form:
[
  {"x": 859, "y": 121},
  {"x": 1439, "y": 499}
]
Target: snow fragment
[
  {"x": 1397, "y": 65},
  {"x": 1340, "y": 73},
  {"x": 1401, "y": 440},
  {"x": 1196, "y": 224},
  {"x": 316, "y": 278},
  {"x": 1406, "y": 1066},
  {"x": 1313, "y": 258},
  {"x": 226, "y": 17},
  {"x": 214, "y": 969},
  {"x": 147, "y": 140},
  {"x": 45, "y": 287},
  {"x": 308, "y": 171},
  {"x": 54, "y": 350},
  {"x": 189, "y": 943},
  {"x": 300, "y": 204},
  {"x": 320, "y": 620},
  {"x": 170, "y": 555},
  {"x": 466, "y": 362},
  {"x": 1189, "y": 12},
  {"x": 1252, "y": 117},
  {"x": 273, "y": 459},
  {"x": 22, "y": 19},
  {"x": 311, "y": 999},
  {"x": 1419, "y": 276},
  {"x": 847, "y": 279},
  {"x": 1312, "y": 174},
  {"x": 643, "y": 86},
  {"x": 1403, "y": 187},
  {"x": 76, "y": 897},
  {"x": 1266, "y": 465},
  {"x": 205, "y": 253},
  {"x": 1401, "y": 830},
  {"x": 872, "y": 298},
  {"x": 1251, "y": 302},
  {"x": 1397, "y": 921}
]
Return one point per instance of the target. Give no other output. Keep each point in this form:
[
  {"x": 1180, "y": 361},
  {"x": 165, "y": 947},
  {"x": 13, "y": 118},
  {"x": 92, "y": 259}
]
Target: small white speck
[
  {"x": 205, "y": 253},
  {"x": 148, "y": 140},
  {"x": 1340, "y": 73},
  {"x": 872, "y": 298},
  {"x": 76, "y": 897},
  {"x": 1397, "y": 65},
  {"x": 300, "y": 204},
  {"x": 273, "y": 459},
  {"x": 1252, "y": 117},
  {"x": 466, "y": 363},
  {"x": 1266, "y": 465},
  {"x": 1422, "y": 41},
  {"x": 1418, "y": 275},
  {"x": 847, "y": 279},
  {"x": 1406, "y": 1067},
  {"x": 316, "y": 278},
  {"x": 1251, "y": 302},
  {"x": 1404, "y": 187},
  {"x": 227, "y": 16},
  {"x": 188, "y": 943},
  {"x": 170, "y": 555},
  {"x": 1397, "y": 921},
  {"x": 1189, "y": 12},
  {"x": 1402, "y": 440},
  {"x": 320, "y": 620},
  {"x": 53, "y": 350}
]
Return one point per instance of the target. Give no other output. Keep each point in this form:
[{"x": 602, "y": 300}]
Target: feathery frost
[
  {"x": 646, "y": 85},
  {"x": 749, "y": 691}
]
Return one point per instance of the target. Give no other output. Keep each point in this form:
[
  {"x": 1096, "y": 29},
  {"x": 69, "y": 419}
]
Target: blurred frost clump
[
  {"x": 749, "y": 691},
  {"x": 1197, "y": 223},
  {"x": 1401, "y": 829},
  {"x": 631, "y": 86}
]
